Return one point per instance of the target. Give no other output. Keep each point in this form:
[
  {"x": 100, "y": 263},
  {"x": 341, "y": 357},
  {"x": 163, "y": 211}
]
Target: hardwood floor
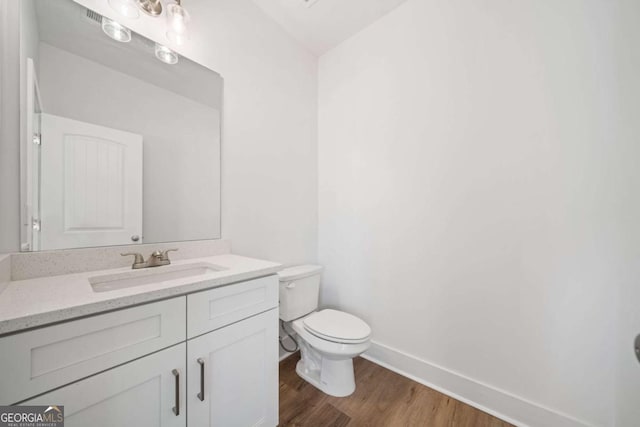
[{"x": 382, "y": 398}]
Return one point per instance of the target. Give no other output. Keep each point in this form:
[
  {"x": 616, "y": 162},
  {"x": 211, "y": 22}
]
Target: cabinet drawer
[
  {"x": 218, "y": 307},
  {"x": 37, "y": 361}
]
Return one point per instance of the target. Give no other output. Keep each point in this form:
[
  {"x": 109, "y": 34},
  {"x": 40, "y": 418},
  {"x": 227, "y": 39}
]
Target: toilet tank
[{"x": 299, "y": 291}]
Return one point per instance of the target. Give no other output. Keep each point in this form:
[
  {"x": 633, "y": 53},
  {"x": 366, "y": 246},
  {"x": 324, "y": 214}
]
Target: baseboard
[
  {"x": 284, "y": 355},
  {"x": 499, "y": 403}
]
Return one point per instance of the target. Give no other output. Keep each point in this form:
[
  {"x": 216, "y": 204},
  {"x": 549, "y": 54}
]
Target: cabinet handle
[
  {"x": 176, "y": 409},
  {"x": 201, "y": 394}
]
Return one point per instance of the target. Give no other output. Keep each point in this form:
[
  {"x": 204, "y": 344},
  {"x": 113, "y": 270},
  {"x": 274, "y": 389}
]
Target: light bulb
[
  {"x": 177, "y": 20},
  {"x": 115, "y": 30},
  {"x": 166, "y": 55},
  {"x": 126, "y": 8}
]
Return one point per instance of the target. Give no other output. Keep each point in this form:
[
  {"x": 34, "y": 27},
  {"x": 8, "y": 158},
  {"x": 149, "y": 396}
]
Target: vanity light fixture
[
  {"x": 177, "y": 16},
  {"x": 177, "y": 20},
  {"x": 150, "y": 7},
  {"x": 127, "y": 8},
  {"x": 166, "y": 55},
  {"x": 115, "y": 30}
]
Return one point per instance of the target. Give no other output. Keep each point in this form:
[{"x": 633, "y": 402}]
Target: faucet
[{"x": 156, "y": 259}]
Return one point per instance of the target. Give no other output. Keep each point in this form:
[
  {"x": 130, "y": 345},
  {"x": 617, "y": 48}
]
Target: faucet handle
[
  {"x": 165, "y": 254},
  {"x": 139, "y": 259}
]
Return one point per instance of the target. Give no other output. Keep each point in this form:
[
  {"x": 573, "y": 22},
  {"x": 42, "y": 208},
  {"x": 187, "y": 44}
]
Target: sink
[{"x": 130, "y": 279}]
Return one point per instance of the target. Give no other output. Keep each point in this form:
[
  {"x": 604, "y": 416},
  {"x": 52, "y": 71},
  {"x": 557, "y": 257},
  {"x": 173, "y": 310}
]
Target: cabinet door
[
  {"x": 233, "y": 374},
  {"x": 142, "y": 393}
]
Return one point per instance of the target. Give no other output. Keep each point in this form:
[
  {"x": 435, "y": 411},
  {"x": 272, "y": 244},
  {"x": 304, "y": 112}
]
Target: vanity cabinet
[
  {"x": 204, "y": 359},
  {"x": 231, "y": 375}
]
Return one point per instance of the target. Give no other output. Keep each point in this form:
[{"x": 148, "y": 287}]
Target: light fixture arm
[{"x": 152, "y": 8}]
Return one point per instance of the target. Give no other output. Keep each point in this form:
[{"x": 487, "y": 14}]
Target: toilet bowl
[
  {"x": 328, "y": 339},
  {"x": 327, "y": 360}
]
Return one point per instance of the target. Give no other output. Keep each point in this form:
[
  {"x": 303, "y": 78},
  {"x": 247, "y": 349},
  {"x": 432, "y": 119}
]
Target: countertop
[{"x": 26, "y": 304}]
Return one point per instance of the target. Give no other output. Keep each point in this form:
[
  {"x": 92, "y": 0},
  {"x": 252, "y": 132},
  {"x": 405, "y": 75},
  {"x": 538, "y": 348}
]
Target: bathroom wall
[
  {"x": 269, "y": 147},
  {"x": 470, "y": 199},
  {"x": 627, "y": 131}
]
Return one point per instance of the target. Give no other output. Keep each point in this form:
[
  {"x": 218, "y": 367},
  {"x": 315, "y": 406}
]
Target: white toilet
[{"x": 328, "y": 339}]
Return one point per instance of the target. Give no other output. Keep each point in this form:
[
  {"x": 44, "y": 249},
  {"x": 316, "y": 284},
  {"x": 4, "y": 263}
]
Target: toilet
[{"x": 328, "y": 339}]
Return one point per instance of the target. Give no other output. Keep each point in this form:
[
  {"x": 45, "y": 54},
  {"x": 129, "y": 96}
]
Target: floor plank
[{"x": 382, "y": 398}]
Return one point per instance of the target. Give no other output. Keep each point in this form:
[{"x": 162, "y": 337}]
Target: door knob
[
  {"x": 637, "y": 347},
  {"x": 135, "y": 238}
]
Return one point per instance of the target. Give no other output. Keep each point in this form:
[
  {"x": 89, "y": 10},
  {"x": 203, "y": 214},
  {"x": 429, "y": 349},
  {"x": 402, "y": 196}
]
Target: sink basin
[{"x": 130, "y": 279}]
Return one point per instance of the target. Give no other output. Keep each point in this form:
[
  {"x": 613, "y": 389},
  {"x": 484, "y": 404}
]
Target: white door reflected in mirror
[{"x": 91, "y": 185}]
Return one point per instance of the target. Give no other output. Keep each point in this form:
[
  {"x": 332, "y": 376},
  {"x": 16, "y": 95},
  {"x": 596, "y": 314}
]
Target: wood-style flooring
[{"x": 382, "y": 398}]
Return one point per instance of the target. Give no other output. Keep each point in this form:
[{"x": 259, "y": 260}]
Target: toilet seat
[
  {"x": 337, "y": 326},
  {"x": 327, "y": 356}
]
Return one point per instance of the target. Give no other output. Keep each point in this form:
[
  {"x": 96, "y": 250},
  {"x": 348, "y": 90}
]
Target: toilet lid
[{"x": 334, "y": 325}]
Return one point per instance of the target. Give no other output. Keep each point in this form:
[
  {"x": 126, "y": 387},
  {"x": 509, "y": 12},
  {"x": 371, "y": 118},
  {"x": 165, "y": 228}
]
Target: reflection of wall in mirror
[{"x": 181, "y": 139}]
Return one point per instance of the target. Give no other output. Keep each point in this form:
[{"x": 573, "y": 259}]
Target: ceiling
[{"x": 324, "y": 24}]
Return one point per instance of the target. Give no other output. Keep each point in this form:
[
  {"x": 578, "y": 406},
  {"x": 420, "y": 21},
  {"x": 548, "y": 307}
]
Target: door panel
[
  {"x": 240, "y": 374},
  {"x": 91, "y": 185},
  {"x": 141, "y": 393}
]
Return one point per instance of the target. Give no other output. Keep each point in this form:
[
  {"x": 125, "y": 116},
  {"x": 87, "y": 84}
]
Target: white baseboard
[
  {"x": 499, "y": 403},
  {"x": 284, "y": 355}
]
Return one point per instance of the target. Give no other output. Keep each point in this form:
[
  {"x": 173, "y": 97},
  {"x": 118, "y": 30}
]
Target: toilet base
[{"x": 333, "y": 377}]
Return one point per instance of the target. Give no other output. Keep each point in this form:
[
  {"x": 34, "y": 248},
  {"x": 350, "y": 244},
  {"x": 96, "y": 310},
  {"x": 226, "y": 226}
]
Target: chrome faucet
[{"x": 156, "y": 259}]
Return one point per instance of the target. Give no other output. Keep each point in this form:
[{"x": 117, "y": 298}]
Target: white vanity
[
  {"x": 200, "y": 350},
  {"x": 120, "y": 153}
]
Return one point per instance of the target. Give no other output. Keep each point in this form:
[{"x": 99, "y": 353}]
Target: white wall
[
  {"x": 628, "y": 206},
  {"x": 269, "y": 147},
  {"x": 181, "y": 139},
  {"x": 269, "y": 150},
  {"x": 468, "y": 195}
]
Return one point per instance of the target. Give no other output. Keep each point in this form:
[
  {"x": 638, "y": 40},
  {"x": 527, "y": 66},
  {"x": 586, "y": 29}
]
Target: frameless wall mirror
[{"x": 120, "y": 141}]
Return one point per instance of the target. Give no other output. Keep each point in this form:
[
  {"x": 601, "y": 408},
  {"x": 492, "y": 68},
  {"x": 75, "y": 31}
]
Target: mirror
[{"x": 120, "y": 146}]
